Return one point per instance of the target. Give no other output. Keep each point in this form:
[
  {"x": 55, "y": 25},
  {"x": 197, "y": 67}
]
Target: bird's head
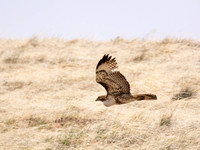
[{"x": 101, "y": 98}]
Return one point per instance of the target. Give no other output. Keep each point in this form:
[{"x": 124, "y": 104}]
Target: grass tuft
[
  {"x": 73, "y": 138},
  {"x": 165, "y": 121},
  {"x": 35, "y": 122},
  {"x": 33, "y": 41},
  {"x": 11, "y": 86},
  {"x": 184, "y": 93},
  {"x": 10, "y": 122},
  {"x": 73, "y": 120}
]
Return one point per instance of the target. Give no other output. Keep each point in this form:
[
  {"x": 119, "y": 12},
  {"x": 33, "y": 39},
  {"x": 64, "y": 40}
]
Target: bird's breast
[{"x": 109, "y": 101}]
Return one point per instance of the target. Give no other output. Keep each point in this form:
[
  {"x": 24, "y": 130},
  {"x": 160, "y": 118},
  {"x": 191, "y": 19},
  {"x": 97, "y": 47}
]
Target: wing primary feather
[
  {"x": 101, "y": 61},
  {"x": 106, "y": 58}
]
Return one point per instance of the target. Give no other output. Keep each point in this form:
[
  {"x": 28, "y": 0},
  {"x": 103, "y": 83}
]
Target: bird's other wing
[{"x": 113, "y": 81}]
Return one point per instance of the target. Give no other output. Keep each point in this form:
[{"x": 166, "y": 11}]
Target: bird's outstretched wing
[{"x": 113, "y": 81}]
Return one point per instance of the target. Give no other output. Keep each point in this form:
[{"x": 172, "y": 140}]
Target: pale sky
[{"x": 100, "y": 19}]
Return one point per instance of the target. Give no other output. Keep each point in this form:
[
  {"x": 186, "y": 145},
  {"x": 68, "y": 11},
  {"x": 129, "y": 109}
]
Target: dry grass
[{"x": 48, "y": 92}]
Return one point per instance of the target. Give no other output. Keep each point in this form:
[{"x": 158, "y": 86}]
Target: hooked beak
[{"x": 97, "y": 99}]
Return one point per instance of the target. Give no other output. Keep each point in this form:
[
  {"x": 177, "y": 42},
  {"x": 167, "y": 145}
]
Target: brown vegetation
[{"x": 48, "y": 92}]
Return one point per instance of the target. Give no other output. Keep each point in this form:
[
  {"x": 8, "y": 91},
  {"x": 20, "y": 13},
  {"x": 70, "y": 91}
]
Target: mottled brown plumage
[{"x": 116, "y": 85}]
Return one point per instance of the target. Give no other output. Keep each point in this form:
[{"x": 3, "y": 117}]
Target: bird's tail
[{"x": 140, "y": 97}]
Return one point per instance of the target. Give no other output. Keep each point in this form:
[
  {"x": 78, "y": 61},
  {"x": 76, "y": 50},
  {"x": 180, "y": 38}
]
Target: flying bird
[{"x": 116, "y": 85}]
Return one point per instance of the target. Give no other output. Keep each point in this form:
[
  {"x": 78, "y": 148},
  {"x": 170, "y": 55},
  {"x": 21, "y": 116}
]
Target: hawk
[{"x": 116, "y": 85}]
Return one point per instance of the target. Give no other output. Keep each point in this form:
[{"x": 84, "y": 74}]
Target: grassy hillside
[{"x": 48, "y": 92}]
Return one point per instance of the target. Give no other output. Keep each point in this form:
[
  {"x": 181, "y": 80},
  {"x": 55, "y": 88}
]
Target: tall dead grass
[{"x": 48, "y": 92}]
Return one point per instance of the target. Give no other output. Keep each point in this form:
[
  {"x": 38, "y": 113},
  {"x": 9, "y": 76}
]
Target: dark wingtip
[{"x": 105, "y": 58}]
